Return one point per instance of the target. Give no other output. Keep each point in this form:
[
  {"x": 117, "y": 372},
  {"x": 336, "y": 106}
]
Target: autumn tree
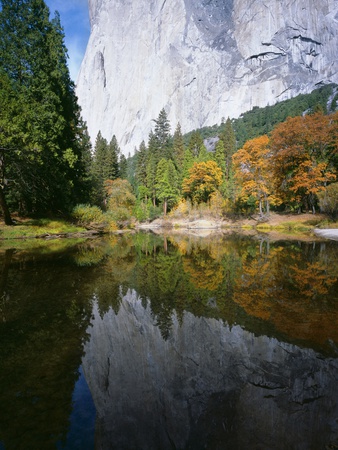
[
  {"x": 253, "y": 171},
  {"x": 204, "y": 179},
  {"x": 303, "y": 154},
  {"x": 120, "y": 199}
]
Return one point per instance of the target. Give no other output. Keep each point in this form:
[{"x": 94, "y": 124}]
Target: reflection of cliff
[{"x": 207, "y": 386}]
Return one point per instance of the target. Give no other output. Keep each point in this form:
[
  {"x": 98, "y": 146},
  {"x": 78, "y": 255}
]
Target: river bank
[
  {"x": 282, "y": 225},
  {"x": 310, "y": 225}
]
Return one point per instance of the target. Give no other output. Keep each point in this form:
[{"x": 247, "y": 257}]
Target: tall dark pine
[
  {"x": 178, "y": 149},
  {"x": 229, "y": 141},
  {"x": 44, "y": 149},
  {"x": 112, "y": 162},
  {"x": 162, "y": 136},
  {"x": 141, "y": 165},
  {"x": 195, "y": 143},
  {"x": 99, "y": 168}
]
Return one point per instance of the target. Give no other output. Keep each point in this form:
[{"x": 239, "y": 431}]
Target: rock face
[
  {"x": 200, "y": 60},
  {"x": 206, "y": 386}
]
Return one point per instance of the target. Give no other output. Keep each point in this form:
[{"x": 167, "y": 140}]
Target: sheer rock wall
[{"x": 200, "y": 60}]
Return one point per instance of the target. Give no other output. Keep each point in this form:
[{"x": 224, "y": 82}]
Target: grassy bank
[
  {"x": 53, "y": 228},
  {"x": 38, "y": 228}
]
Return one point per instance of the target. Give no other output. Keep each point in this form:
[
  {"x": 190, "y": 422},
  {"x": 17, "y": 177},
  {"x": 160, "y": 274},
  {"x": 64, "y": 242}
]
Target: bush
[
  {"x": 86, "y": 214},
  {"x": 182, "y": 209},
  {"x": 328, "y": 200},
  {"x": 141, "y": 212}
]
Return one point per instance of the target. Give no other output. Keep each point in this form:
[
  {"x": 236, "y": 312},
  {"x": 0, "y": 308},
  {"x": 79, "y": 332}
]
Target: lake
[{"x": 146, "y": 341}]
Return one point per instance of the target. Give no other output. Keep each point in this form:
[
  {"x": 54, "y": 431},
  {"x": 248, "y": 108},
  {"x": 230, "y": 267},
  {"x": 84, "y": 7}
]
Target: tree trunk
[
  {"x": 260, "y": 207},
  {"x": 165, "y": 207},
  {"x": 3, "y": 204}
]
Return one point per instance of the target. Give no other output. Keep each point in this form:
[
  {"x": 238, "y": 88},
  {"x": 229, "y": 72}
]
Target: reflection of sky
[
  {"x": 75, "y": 21},
  {"x": 82, "y": 420}
]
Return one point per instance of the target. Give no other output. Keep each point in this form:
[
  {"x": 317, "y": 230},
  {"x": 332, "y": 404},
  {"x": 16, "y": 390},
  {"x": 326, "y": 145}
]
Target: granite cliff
[{"x": 200, "y": 60}]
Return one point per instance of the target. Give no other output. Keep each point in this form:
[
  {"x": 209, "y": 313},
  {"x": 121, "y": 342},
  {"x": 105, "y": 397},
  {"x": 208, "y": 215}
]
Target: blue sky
[{"x": 75, "y": 21}]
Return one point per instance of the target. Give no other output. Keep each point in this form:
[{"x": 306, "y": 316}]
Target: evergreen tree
[
  {"x": 123, "y": 167},
  {"x": 188, "y": 162},
  {"x": 162, "y": 135},
  {"x": 141, "y": 165},
  {"x": 99, "y": 169},
  {"x": 151, "y": 177},
  {"x": 167, "y": 183},
  {"x": 153, "y": 158},
  {"x": 112, "y": 159},
  {"x": 228, "y": 138},
  {"x": 178, "y": 149},
  {"x": 204, "y": 155},
  {"x": 220, "y": 159},
  {"x": 44, "y": 151},
  {"x": 195, "y": 143}
]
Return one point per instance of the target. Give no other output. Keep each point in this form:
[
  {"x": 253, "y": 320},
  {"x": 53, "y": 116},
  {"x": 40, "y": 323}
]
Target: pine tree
[
  {"x": 228, "y": 138},
  {"x": 141, "y": 165},
  {"x": 188, "y": 162},
  {"x": 229, "y": 141},
  {"x": 99, "y": 169},
  {"x": 162, "y": 135},
  {"x": 44, "y": 150},
  {"x": 112, "y": 159},
  {"x": 195, "y": 143},
  {"x": 178, "y": 149},
  {"x": 167, "y": 183},
  {"x": 123, "y": 167}
]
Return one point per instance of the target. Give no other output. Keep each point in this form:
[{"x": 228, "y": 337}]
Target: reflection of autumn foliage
[
  {"x": 292, "y": 295},
  {"x": 202, "y": 261},
  {"x": 203, "y": 273},
  {"x": 313, "y": 280}
]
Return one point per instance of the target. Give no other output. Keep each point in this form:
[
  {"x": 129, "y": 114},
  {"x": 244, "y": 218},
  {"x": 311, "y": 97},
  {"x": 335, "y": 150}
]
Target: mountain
[{"x": 201, "y": 60}]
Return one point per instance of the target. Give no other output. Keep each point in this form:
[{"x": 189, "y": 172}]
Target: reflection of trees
[
  {"x": 159, "y": 278},
  {"x": 290, "y": 291},
  {"x": 41, "y": 347},
  {"x": 112, "y": 261},
  {"x": 289, "y": 286},
  {"x": 205, "y": 272},
  {"x": 193, "y": 281}
]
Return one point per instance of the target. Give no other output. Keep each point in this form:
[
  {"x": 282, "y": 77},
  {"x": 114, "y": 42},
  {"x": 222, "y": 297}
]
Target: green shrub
[
  {"x": 328, "y": 200},
  {"x": 86, "y": 214}
]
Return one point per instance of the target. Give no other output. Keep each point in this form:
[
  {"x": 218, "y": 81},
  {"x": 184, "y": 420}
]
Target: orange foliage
[
  {"x": 253, "y": 169},
  {"x": 302, "y": 152}
]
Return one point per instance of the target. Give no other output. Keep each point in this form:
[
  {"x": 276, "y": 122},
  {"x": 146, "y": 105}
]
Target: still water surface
[{"x": 169, "y": 342}]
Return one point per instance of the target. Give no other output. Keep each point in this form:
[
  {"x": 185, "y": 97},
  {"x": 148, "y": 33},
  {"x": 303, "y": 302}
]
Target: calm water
[{"x": 151, "y": 342}]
